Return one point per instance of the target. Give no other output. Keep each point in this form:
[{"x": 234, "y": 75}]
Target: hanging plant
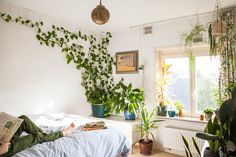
[
  {"x": 219, "y": 24},
  {"x": 224, "y": 46},
  {"x": 95, "y": 65},
  {"x": 194, "y": 36}
]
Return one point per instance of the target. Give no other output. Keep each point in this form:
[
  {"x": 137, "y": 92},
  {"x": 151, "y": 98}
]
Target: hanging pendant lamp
[{"x": 100, "y": 15}]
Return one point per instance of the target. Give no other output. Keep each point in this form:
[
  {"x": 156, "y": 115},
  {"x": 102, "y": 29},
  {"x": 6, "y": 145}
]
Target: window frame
[{"x": 180, "y": 53}]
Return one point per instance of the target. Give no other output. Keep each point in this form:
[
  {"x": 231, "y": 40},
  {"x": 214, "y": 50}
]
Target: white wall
[{"x": 35, "y": 78}]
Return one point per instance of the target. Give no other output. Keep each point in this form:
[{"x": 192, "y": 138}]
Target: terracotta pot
[
  {"x": 181, "y": 114},
  {"x": 145, "y": 147},
  {"x": 208, "y": 153},
  {"x": 201, "y": 117}
]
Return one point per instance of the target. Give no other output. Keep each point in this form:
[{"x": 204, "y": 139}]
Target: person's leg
[
  {"x": 21, "y": 143},
  {"x": 28, "y": 126}
]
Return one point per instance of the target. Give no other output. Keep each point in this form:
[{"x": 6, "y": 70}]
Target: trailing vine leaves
[
  {"x": 191, "y": 37},
  {"x": 224, "y": 46},
  {"x": 95, "y": 66}
]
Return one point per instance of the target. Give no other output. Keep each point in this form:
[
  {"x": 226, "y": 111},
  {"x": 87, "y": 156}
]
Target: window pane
[
  {"x": 207, "y": 70},
  {"x": 178, "y": 86}
]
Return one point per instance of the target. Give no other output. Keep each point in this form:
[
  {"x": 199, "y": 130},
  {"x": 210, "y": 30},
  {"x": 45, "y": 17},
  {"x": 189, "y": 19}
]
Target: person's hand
[{"x": 4, "y": 148}]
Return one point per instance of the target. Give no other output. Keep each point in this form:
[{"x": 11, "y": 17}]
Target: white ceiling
[{"x": 123, "y": 13}]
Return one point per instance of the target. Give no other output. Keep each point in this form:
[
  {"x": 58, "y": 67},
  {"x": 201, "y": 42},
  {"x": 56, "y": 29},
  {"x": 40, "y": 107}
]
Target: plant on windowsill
[
  {"x": 171, "y": 111},
  {"x": 146, "y": 127},
  {"x": 128, "y": 99},
  {"x": 225, "y": 128},
  {"x": 162, "y": 83},
  {"x": 208, "y": 113},
  {"x": 179, "y": 106}
]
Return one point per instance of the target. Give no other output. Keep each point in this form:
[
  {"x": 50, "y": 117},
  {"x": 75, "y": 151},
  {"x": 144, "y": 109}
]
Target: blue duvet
[{"x": 99, "y": 143}]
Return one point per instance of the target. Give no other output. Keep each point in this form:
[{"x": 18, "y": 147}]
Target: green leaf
[
  {"x": 206, "y": 136},
  {"x": 186, "y": 145},
  {"x": 196, "y": 146},
  {"x": 38, "y": 37}
]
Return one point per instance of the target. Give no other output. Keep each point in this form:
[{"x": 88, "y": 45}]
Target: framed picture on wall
[{"x": 127, "y": 62}]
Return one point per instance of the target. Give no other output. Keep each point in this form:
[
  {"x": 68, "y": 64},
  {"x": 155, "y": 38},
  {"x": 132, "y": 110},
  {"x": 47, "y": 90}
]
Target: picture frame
[{"x": 127, "y": 62}]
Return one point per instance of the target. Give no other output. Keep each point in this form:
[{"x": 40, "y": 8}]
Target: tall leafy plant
[
  {"x": 148, "y": 124},
  {"x": 162, "y": 85},
  {"x": 213, "y": 128}
]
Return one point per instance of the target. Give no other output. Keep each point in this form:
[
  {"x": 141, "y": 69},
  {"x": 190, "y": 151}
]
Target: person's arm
[{"x": 4, "y": 148}]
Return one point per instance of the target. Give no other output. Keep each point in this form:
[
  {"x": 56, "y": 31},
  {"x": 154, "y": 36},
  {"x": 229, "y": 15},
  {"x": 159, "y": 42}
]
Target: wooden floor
[{"x": 154, "y": 154}]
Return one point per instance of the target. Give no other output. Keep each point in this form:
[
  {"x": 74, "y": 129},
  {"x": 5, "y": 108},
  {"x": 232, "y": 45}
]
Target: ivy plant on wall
[{"x": 95, "y": 65}]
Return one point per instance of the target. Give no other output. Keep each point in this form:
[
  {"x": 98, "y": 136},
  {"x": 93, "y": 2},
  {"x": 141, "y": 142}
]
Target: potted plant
[
  {"x": 127, "y": 99},
  {"x": 194, "y": 36},
  {"x": 163, "y": 102},
  {"x": 179, "y": 107},
  {"x": 208, "y": 113},
  {"x": 214, "y": 145},
  {"x": 171, "y": 111},
  {"x": 226, "y": 127},
  {"x": 219, "y": 24},
  {"x": 146, "y": 127},
  {"x": 97, "y": 79}
]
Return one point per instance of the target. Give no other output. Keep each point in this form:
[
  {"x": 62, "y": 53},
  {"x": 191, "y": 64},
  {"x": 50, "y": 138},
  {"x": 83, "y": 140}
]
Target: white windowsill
[{"x": 187, "y": 119}]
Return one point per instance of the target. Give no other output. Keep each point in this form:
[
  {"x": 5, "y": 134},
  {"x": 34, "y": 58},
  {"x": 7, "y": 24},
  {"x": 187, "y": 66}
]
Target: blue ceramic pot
[
  {"x": 172, "y": 113},
  {"x": 98, "y": 110},
  {"x": 128, "y": 115}
]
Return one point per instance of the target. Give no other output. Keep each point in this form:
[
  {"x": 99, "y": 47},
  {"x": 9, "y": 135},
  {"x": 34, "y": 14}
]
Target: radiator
[{"x": 172, "y": 139}]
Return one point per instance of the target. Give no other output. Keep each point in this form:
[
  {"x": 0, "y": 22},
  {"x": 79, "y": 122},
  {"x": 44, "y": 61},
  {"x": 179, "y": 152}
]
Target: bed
[{"x": 98, "y": 143}]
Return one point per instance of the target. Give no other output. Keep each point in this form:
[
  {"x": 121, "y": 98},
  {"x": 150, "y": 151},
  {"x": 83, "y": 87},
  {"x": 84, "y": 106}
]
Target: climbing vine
[{"x": 95, "y": 65}]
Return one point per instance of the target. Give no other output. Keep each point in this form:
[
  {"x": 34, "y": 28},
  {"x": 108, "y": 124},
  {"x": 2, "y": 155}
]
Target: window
[
  {"x": 207, "y": 70},
  {"x": 178, "y": 86},
  {"x": 193, "y": 82}
]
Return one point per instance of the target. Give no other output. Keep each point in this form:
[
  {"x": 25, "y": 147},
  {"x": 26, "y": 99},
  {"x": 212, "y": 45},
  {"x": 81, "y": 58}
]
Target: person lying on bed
[{"x": 35, "y": 136}]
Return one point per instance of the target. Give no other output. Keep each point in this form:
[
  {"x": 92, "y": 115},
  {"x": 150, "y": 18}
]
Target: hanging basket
[
  {"x": 219, "y": 28},
  {"x": 219, "y": 24}
]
